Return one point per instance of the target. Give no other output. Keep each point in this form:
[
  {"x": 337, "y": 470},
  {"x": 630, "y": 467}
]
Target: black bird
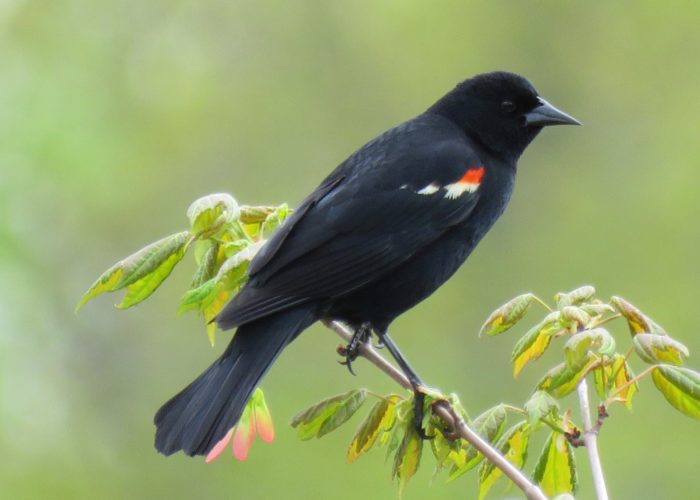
[{"x": 381, "y": 233}]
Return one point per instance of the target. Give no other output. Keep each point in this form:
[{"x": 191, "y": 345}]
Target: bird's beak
[{"x": 546, "y": 114}]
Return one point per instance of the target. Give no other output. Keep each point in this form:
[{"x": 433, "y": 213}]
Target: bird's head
[{"x": 501, "y": 110}]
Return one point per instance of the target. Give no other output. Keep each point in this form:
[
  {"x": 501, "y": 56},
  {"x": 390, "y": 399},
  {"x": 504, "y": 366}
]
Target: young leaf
[
  {"x": 402, "y": 424},
  {"x": 488, "y": 425},
  {"x": 540, "y": 405},
  {"x": 556, "y": 468},
  {"x": 573, "y": 318},
  {"x": 535, "y": 342},
  {"x": 562, "y": 379},
  {"x": 219, "y": 447},
  {"x": 597, "y": 308},
  {"x": 327, "y": 415},
  {"x": 613, "y": 375},
  {"x": 206, "y": 268},
  {"x": 407, "y": 458},
  {"x": 575, "y": 297},
  {"x": 273, "y": 220},
  {"x": 209, "y": 213},
  {"x": 197, "y": 296},
  {"x": 212, "y": 305},
  {"x": 578, "y": 347},
  {"x": 263, "y": 418},
  {"x": 681, "y": 388},
  {"x": 513, "y": 445},
  {"x": 142, "y": 271},
  {"x": 507, "y": 315},
  {"x": 244, "y": 433},
  {"x": 380, "y": 419},
  {"x": 233, "y": 247},
  {"x": 442, "y": 448},
  {"x": 659, "y": 349},
  {"x": 638, "y": 322},
  {"x": 255, "y": 215}
]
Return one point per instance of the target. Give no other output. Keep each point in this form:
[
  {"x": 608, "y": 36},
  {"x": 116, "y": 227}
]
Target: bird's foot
[
  {"x": 419, "y": 393},
  {"x": 351, "y": 351}
]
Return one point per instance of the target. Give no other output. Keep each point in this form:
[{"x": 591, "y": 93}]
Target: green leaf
[
  {"x": 255, "y": 215},
  {"x": 535, "y": 342},
  {"x": 328, "y": 414},
  {"x": 637, "y": 321},
  {"x": 196, "y": 297},
  {"x": 379, "y": 420},
  {"x": 507, "y": 315},
  {"x": 141, "y": 272},
  {"x": 488, "y": 425},
  {"x": 556, "y": 468},
  {"x": 597, "y": 308},
  {"x": 402, "y": 423},
  {"x": 574, "y": 318},
  {"x": 659, "y": 349},
  {"x": 206, "y": 268},
  {"x": 441, "y": 448},
  {"x": 614, "y": 375},
  {"x": 233, "y": 247},
  {"x": 273, "y": 220},
  {"x": 580, "y": 345},
  {"x": 211, "y": 296},
  {"x": 681, "y": 388},
  {"x": 575, "y": 297},
  {"x": 407, "y": 458},
  {"x": 211, "y": 306},
  {"x": 232, "y": 272},
  {"x": 562, "y": 379},
  {"x": 513, "y": 445},
  {"x": 209, "y": 213},
  {"x": 540, "y": 405}
]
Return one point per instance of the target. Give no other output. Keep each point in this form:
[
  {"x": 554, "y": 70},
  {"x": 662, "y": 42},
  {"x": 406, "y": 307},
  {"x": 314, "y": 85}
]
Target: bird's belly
[{"x": 383, "y": 300}]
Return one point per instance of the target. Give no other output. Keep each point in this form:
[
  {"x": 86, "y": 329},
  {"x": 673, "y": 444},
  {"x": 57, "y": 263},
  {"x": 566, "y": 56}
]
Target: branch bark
[
  {"x": 447, "y": 413},
  {"x": 590, "y": 439}
]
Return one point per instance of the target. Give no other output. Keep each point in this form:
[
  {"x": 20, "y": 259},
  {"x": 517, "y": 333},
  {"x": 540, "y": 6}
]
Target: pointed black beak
[{"x": 546, "y": 114}]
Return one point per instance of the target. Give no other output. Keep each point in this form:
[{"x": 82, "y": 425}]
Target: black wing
[{"x": 359, "y": 224}]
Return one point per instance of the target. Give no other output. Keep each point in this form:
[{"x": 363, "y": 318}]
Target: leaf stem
[
  {"x": 542, "y": 302},
  {"x": 545, "y": 421},
  {"x": 515, "y": 409},
  {"x": 590, "y": 438},
  {"x": 633, "y": 380},
  {"x": 447, "y": 413},
  {"x": 605, "y": 320}
]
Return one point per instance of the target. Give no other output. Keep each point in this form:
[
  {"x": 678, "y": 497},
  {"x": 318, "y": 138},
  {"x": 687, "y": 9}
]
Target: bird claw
[
  {"x": 352, "y": 350},
  {"x": 348, "y": 363}
]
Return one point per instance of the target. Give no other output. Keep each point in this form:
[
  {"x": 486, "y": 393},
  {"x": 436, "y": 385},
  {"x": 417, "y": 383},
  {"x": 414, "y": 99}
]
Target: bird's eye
[{"x": 508, "y": 106}]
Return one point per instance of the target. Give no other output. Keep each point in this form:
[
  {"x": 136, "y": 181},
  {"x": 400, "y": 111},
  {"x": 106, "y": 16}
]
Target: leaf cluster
[
  {"x": 579, "y": 322},
  {"x": 223, "y": 238}
]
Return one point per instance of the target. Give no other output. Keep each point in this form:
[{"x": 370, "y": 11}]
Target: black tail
[{"x": 201, "y": 414}]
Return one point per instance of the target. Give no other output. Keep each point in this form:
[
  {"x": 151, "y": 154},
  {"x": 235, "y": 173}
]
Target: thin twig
[
  {"x": 447, "y": 413},
  {"x": 590, "y": 438}
]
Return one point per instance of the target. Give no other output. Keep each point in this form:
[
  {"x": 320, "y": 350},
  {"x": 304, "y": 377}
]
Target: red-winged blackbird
[{"x": 381, "y": 233}]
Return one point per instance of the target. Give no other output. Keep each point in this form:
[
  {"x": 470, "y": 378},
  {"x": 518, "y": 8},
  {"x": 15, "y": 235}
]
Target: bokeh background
[{"x": 115, "y": 115}]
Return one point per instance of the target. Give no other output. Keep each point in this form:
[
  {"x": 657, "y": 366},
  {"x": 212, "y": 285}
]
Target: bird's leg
[
  {"x": 413, "y": 378},
  {"x": 351, "y": 351}
]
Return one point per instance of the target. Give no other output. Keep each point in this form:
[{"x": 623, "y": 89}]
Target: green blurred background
[{"x": 115, "y": 115}]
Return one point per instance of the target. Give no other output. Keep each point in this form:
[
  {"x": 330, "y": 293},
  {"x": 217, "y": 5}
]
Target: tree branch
[
  {"x": 590, "y": 439},
  {"x": 447, "y": 413}
]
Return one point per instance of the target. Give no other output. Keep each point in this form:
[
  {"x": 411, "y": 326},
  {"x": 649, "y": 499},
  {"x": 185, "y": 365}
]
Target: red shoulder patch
[{"x": 473, "y": 175}]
